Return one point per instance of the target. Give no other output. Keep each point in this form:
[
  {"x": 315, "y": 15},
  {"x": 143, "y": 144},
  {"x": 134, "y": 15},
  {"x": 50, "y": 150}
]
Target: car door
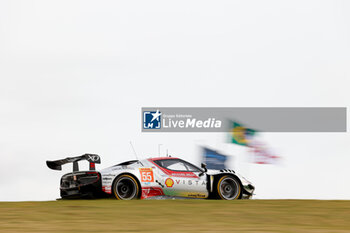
[{"x": 182, "y": 179}]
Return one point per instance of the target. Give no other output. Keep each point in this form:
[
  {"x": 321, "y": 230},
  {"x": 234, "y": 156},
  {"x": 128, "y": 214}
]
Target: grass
[{"x": 110, "y": 215}]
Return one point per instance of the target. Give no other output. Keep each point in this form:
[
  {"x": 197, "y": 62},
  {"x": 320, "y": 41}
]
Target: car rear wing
[{"x": 57, "y": 164}]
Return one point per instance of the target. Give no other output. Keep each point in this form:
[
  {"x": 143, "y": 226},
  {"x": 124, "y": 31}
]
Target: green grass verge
[{"x": 176, "y": 216}]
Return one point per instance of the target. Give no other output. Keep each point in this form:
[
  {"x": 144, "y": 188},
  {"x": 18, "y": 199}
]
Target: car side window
[
  {"x": 177, "y": 165},
  {"x": 191, "y": 167}
]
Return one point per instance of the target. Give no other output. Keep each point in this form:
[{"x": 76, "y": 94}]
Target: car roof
[{"x": 162, "y": 158}]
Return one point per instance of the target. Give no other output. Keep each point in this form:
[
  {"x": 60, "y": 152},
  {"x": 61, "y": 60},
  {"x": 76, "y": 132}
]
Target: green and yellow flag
[{"x": 241, "y": 135}]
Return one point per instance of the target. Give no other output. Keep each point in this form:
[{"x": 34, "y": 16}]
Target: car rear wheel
[
  {"x": 126, "y": 188},
  {"x": 228, "y": 188}
]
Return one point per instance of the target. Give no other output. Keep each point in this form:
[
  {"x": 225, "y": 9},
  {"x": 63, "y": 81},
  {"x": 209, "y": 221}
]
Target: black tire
[
  {"x": 228, "y": 188},
  {"x": 126, "y": 187}
]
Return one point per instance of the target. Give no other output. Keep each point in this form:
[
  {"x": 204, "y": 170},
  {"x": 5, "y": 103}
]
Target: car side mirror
[{"x": 204, "y": 166}]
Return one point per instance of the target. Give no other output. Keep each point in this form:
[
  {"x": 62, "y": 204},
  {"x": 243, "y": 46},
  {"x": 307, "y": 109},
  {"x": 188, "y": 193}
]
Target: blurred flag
[
  {"x": 213, "y": 159},
  {"x": 263, "y": 155},
  {"x": 241, "y": 135}
]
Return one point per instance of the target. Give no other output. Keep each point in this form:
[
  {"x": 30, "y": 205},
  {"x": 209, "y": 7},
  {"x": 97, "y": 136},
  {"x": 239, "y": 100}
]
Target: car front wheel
[{"x": 228, "y": 188}]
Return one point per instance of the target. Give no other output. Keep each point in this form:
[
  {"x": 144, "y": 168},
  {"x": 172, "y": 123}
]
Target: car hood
[{"x": 216, "y": 172}]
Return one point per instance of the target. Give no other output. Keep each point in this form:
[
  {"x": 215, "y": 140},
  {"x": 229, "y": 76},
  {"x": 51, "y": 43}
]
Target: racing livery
[{"x": 153, "y": 177}]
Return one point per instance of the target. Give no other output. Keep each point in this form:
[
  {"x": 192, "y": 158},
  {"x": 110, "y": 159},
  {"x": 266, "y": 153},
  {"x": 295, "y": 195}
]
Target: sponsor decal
[
  {"x": 108, "y": 175},
  {"x": 152, "y": 119},
  {"x": 191, "y": 182},
  {"x": 93, "y": 158},
  {"x": 197, "y": 195},
  {"x": 169, "y": 182},
  {"x": 122, "y": 168},
  {"x": 146, "y": 175},
  {"x": 182, "y": 174}
]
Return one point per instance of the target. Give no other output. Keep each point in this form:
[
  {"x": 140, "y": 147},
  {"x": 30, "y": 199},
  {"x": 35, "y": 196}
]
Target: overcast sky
[{"x": 75, "y": 74}]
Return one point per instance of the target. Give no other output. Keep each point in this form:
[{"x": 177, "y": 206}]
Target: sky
[{"x": 75, "y": 74}]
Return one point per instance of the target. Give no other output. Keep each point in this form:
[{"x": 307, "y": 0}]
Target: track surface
[{"x": 176, "y": 216}]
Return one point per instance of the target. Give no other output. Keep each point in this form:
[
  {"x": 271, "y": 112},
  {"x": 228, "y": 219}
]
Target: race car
[{"x": 150, "y": 178}]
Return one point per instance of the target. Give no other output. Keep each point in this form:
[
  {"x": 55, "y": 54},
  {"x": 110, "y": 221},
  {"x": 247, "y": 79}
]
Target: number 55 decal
[{"x": 146, "y": 175}]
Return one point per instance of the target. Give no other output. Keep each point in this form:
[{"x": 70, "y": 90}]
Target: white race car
[{"x": 165, "y": 176}]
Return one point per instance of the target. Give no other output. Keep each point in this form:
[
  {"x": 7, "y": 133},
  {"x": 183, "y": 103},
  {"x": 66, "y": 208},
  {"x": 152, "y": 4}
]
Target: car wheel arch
[{"x": 217, "y": 178}]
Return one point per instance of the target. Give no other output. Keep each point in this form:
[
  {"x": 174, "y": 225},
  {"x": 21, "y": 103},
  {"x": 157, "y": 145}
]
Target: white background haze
[{"x": 75, "y": 74}]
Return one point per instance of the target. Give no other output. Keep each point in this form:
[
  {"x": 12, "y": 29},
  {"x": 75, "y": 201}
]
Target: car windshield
[{"x": 177, "y": 165}]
